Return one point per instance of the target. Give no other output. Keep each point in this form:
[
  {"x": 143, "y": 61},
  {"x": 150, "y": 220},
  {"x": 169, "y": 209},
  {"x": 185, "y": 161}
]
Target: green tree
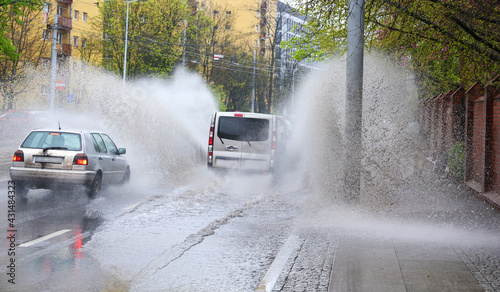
[
  {"x": 155, "y": 28},
  {"x": 12, "y": 12},
  {"x": 447, "y": 42},
  {"x": 24, "y": 47},
  {"x": 233, "y": 72}
]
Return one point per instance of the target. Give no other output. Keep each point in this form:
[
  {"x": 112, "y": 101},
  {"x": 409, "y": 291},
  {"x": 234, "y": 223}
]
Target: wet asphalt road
[{"x": 49, "y": 232}]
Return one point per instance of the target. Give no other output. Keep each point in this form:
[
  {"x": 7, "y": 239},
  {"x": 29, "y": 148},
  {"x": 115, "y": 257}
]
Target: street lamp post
[
  {"x": 126, "y": 42},
  {"x": 254, "y": 61}
]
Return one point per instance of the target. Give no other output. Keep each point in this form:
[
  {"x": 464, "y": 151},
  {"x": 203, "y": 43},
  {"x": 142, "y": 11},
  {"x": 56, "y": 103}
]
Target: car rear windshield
[
  {"x": 53, "y": 140},
  {"x": 243, "y": 129}
]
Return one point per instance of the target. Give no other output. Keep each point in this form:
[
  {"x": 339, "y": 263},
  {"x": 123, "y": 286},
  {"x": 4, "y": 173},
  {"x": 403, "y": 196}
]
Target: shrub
[{"x": 456, "y": 157}]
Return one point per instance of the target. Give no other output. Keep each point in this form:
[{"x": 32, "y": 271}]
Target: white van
[{"x": 245, "y": 141}]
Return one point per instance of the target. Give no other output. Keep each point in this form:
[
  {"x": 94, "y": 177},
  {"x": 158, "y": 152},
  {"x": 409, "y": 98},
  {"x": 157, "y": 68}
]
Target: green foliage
[
  {"x": 154, "y": 30},
  {"x": 218, "y": 91},
  {"x": 447, "y": 43},
  {"x": 456, "y": 157},
  {"x": 11, "y": 11}
]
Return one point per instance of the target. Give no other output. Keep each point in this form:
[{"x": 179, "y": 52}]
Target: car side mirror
[{"x": 122, "y": 151}]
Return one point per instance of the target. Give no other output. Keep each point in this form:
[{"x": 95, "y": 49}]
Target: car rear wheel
[{"x": 95, "y": 187}]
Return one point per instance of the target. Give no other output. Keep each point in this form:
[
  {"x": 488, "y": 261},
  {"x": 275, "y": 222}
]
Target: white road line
[
  {"x": 267, "y": 283},
  {"x": 30, "y": 243}
]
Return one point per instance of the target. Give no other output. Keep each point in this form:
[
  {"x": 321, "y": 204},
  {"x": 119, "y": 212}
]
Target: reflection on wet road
[{"x": 51, "y": 231}]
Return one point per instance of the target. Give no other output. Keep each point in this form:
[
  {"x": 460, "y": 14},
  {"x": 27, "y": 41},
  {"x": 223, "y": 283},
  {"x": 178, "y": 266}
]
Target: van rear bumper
[{"x": 232, "y": 163}]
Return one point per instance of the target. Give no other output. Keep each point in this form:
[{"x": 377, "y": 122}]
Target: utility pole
[
  {"x": 253, "y": 86},
  {"x": 53, "y": 65},
  {"x": 354, "y": 101}
]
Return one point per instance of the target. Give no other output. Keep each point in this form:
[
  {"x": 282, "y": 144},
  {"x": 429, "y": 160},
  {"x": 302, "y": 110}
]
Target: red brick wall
[
  {"x": 472, "y": 116},
  {"x": 492, "y": 183}
]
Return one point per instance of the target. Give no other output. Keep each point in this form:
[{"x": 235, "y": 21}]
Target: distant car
[
  {"x": 53, "y": 159},
  {"x": 16, "y": 116}
]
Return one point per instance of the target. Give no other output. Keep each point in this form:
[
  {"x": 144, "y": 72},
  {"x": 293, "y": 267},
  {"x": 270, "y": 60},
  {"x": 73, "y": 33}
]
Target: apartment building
[
  {"x": 73, "y": 23},
  {"x": 252, "y": 20}
]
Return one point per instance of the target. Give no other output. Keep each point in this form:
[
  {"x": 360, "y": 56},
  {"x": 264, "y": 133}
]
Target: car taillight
[
  {"x": 18, "y": 156},
  {"x": 80, "y": 159}
]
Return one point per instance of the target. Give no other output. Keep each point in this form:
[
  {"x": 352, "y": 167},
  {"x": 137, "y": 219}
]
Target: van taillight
[
  {"x": 210, "y": 145},
  {"x": 80, "y": 159},
  {"x": 273, "y": 149},
  {"x": 18, "y": 156},
  {"x": 238, "y": 115}
]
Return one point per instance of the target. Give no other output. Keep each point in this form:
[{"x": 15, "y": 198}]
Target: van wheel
[{"x": 95, "y": 187}]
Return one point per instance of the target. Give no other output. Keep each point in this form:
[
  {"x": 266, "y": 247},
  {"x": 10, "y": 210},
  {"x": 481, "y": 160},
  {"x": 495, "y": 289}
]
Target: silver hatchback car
[{"x": 52, "y": 159}]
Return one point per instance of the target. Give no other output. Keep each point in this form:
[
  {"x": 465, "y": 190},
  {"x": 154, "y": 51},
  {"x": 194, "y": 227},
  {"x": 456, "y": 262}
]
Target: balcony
[
  {"x": 63, "y": 50},
  {"x": 65, "y": 1},
  {"x": 65, "y": 22}
]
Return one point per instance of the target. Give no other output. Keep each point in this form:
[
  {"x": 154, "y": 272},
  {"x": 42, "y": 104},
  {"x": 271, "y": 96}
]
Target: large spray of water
[
  {"x": 398, "y": 199},
  {"x": 389, "y": 147}
]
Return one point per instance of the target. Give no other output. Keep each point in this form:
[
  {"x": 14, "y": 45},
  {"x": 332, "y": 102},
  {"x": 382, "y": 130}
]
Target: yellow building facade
[{"x": 252, "y": 20}]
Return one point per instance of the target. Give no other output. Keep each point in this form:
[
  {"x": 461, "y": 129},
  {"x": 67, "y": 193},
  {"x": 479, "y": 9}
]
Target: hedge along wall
[{"x": 471, "y": 116}]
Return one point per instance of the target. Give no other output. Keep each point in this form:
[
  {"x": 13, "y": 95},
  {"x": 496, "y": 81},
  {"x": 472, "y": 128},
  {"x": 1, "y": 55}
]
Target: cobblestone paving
[
  {"x": 310, "y": 265},
  {"x": 484, "y": 263}
]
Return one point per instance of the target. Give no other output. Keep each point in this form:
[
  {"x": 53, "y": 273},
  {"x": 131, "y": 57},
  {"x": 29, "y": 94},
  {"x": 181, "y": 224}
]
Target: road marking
[
  {"x": 271, "y": 276},
  {"x": 30, "y": 243},
  {"x": 131, "y": 206}
]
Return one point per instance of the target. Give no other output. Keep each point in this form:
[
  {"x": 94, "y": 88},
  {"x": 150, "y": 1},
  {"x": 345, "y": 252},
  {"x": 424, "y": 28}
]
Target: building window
[
  {"x": 75, "y": 16},
  {"x": 59, "y": 38},
  {"x": 257, "y": 28},
  {"x": 75, "y": 41},
  {"x": 228, "y": 12},
  {"x": 216, "y": 12},
  {"x": 216, "y": 27},
  {"x": 228, "y": 26},
  {"x": 45, "y": 89},
  {"x": 84, "y": 17},
  {"x": 59, "y": 10},
  {"x": 84, "y": 42},
  {"x": 46, "y": 34},
  {"x": 46, "y": 7}
]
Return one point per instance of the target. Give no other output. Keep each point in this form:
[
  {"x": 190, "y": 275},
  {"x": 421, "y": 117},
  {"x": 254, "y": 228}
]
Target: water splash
[
  {"x": 398, "y": 198},
  {"x": 163, "y": 123}
]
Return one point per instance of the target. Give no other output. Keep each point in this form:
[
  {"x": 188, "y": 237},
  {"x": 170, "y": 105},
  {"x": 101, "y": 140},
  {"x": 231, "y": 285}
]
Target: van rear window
[{"x": 243, "y": 129}]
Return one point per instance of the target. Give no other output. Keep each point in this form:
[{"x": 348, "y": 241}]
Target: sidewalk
[{"x": 374, "y": 265}]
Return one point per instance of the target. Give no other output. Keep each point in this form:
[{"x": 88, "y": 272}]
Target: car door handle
[
  {"x": 113, "y": 159},
  {"x": 100, "y": 158},
  {"x": 231, "y": 148}
]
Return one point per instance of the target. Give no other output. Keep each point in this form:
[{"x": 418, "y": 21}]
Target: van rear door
[
  {"x": 242, "y": 141},
  {"x": 256, "y": 147},
  {"x": 227, "y": 143}
]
